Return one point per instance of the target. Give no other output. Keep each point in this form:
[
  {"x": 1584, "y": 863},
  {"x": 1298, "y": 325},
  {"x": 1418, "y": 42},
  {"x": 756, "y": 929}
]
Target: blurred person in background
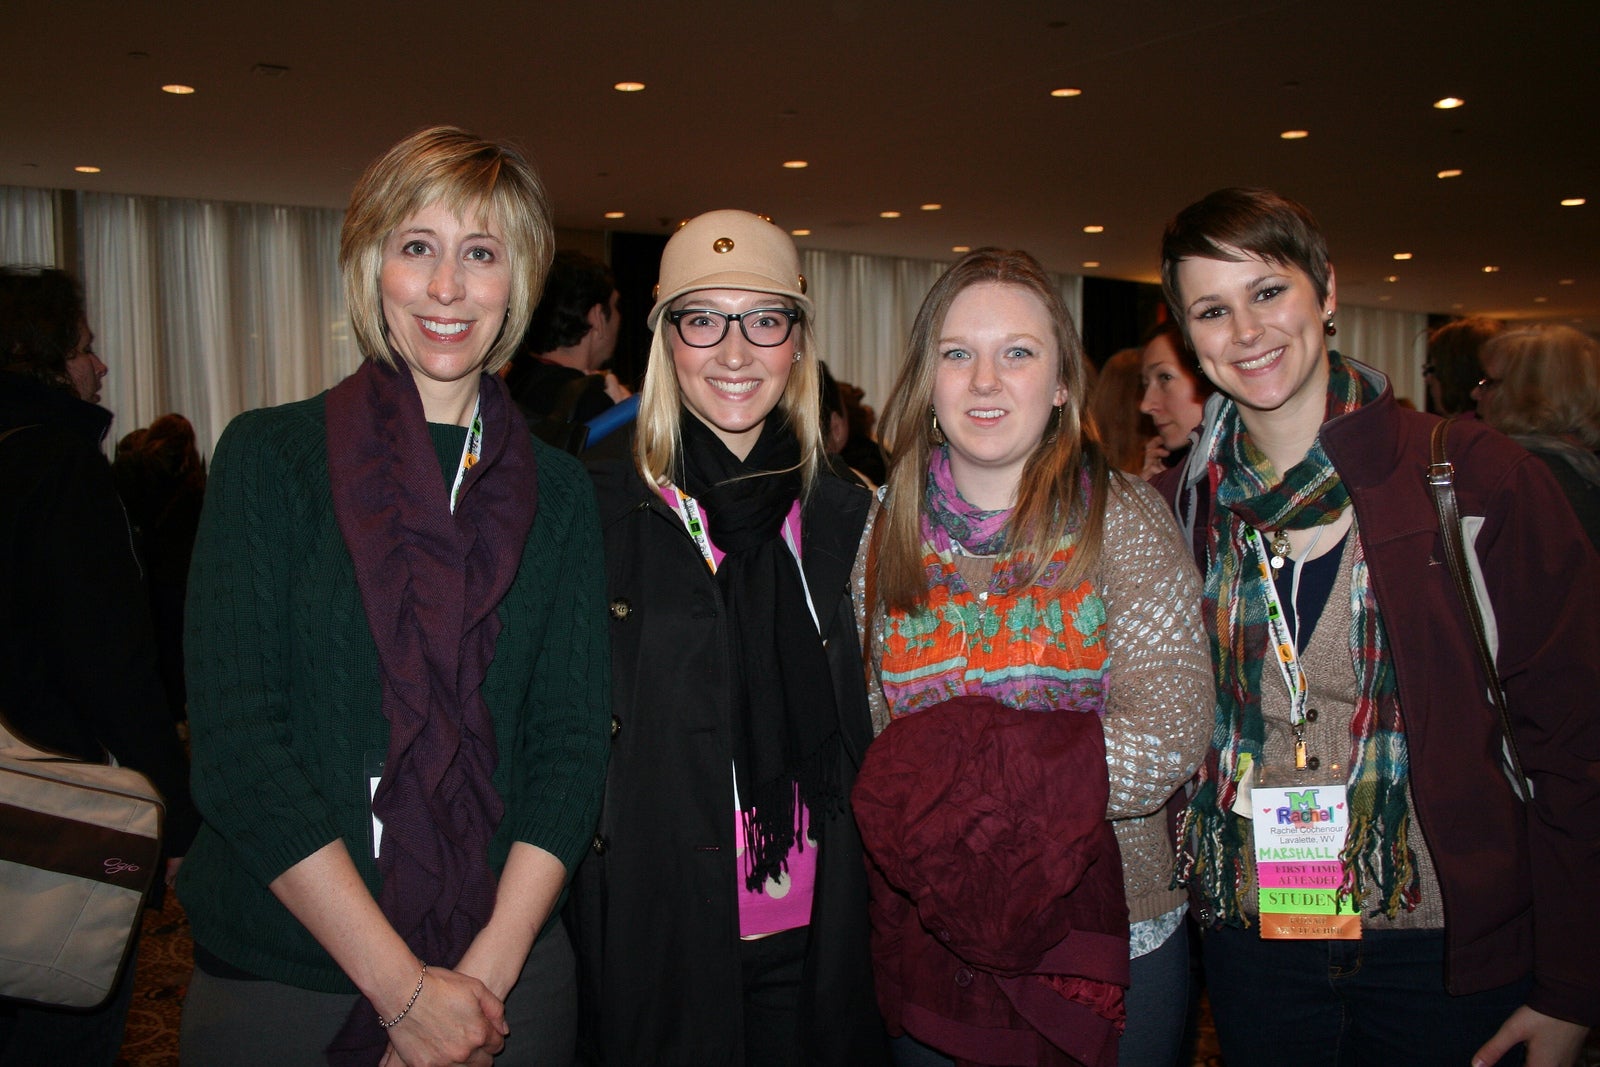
[{"x": 1541, "y": 385}]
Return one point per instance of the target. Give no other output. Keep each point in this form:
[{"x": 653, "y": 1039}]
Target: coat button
[
  {"x": 620, "y": 608},
  {"x": 964, "y": 977},
  {"x": 600, "y": 845},
  {"x": 616, "y": 727}
]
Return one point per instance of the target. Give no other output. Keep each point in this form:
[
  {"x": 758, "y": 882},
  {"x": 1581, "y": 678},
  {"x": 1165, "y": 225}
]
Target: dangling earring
[
  {"x": 1055, "y": 422},
  {"x": 1328, "y": 327},
  {"x": 935, "y": 435}
]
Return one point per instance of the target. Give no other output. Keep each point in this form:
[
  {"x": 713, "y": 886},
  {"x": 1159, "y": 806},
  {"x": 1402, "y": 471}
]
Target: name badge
[{"x": 1299, "y": 834}]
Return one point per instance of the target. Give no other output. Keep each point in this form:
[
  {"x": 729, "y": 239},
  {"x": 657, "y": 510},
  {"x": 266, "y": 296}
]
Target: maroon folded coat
[{"x": 999, "y": 924}]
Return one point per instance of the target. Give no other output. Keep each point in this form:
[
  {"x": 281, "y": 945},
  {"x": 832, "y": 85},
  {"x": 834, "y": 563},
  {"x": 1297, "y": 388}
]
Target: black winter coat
[
  {"x": 653, "y": 909},
  {"x": 78, "y": 669}
]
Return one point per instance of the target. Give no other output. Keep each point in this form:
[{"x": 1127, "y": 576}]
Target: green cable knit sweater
[{"x": 284, "y": 686}]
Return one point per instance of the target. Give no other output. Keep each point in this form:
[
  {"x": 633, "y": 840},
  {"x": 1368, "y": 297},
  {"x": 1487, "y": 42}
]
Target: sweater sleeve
[
  {"x": 1160, "y": 693},
  {"x": 247, "y": 779},
  {"x": 568, "y": 709}
]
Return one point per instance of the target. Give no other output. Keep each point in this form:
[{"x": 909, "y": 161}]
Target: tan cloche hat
[{"x": 730, "y": 250}]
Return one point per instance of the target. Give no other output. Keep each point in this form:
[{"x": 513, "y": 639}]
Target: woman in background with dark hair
[
  {"x": 77, "y": 656},
  {"x": 1175, "y": 394},
  {"x": 162, "y": 481},
  {"x": 1438, "y": 913},
  {"x": 1454, "y": 363}
]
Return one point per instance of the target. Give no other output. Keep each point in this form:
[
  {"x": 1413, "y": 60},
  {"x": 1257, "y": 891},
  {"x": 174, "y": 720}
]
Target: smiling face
[
  {"x": 997, "y": 381},
  {"x": 733, "y": 386},
  {"x": 1257, "y": 328},
  {"x": 445, "y": 283},
  {"x": 1169, "y": 395}
]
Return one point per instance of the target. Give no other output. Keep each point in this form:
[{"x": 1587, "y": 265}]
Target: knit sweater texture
[
  {"x": 1157, "y": 681},
  {"x": 285, "y": 691}
]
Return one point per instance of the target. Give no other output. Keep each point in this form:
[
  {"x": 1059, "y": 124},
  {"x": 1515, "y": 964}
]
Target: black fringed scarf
[
  {"x": 430, "y": 584},
  {"x": 785, "y": 722}
]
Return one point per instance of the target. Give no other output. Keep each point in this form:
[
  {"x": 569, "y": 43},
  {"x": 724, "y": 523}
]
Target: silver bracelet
[{"x": 415, "y": 993}]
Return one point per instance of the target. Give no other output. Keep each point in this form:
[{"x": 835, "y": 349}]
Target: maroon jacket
[
  {"x": 1520, "y": 885},
  {"x": 999, "y": 925}
]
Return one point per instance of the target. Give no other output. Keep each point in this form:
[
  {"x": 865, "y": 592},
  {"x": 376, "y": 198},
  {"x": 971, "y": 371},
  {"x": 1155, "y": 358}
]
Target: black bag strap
[{"x": 1441, "y": 484}]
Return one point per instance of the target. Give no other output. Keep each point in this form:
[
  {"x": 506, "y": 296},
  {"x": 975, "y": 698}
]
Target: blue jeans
[{"x": 1377, "y": 1001}]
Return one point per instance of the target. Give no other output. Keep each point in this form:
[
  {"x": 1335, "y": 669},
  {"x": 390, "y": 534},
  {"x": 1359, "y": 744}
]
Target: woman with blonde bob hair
[
  {"x": 1542, "y": 387},
  {"x": 397, "y": 664},
  {"x": 721, "y": 917},
  {"x": 1010, "y": 573}
]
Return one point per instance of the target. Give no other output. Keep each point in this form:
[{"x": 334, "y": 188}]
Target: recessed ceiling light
[
  {"x": 800, "y": 233},
  {"x": 1541, "y": 300},
  {"x": 1402, "y": 255},
  {"x": 616, "y": 214},
  {"x": 795, "y": 164},
  {"x": 629, "y": 87},
  {"x": 1491, "y": 270},
  {"x": 932, "y": 207},
  {"x": 1295, "y": 135},
  {"x": 1090, "y": 264},
  {"x": 888, "y": 214},
  {"x": 1066, "y": 92},
  {"x": 87, "y": 170},
  {"x": 1392, "y": 278},
  {"x": 177, "y": 90},
  {"x": 1094, "y": 229},
  {"x": 960, "y": 248},
  {"x": 1453, "y": 172},
  {"x": 1448, "y": 103},
  {"x": 1574, "y": 201},
  {"x": 1566, "y": 281}
]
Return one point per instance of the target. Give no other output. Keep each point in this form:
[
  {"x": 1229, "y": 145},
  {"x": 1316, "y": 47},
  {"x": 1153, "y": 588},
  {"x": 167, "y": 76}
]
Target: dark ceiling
[{"x": 894, "y": 104}]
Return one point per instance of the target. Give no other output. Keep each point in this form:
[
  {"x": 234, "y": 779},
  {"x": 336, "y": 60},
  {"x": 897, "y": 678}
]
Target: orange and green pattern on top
[{"x": 1027, "y": 648}]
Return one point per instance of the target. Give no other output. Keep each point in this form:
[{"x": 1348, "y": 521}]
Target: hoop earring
[
  {"x": 935, "y": 434},
  {"x": 1329, "y": 328}
]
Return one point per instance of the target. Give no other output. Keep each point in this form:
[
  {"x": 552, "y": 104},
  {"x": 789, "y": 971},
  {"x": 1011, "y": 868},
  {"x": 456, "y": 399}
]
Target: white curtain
[
  {"x": 27, "y": 226},
  {"x": 210, "y": 309},
  {"x": 1395, "y": 342},
  {"x": 865, "y": 307}
]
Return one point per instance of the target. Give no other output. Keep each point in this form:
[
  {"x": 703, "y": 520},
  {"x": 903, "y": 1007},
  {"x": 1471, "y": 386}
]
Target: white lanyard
[
  {"x": 471, "y": 449},
  {"x": 1294, "y": 677}
]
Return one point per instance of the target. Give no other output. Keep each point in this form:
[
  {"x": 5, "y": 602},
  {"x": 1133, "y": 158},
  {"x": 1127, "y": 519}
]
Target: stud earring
[{"x": 935, "y": 435}]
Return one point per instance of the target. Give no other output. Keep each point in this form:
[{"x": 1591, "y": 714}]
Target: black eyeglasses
[{"x": 762, "y": 327}]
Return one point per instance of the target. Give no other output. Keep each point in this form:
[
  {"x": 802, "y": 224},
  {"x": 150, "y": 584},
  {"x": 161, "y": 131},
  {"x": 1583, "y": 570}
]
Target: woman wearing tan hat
[{"x": 721, "y": 915}]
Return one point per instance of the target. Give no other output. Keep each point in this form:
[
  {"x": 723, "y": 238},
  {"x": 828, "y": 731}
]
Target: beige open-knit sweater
[{"x": 1159, "y": 693}]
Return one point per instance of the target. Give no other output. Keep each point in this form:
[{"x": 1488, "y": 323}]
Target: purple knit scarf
[{"x": 430, "y": 584}]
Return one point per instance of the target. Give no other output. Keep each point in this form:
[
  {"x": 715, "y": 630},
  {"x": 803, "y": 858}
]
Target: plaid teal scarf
[{"x": 1376, "y": 853}]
